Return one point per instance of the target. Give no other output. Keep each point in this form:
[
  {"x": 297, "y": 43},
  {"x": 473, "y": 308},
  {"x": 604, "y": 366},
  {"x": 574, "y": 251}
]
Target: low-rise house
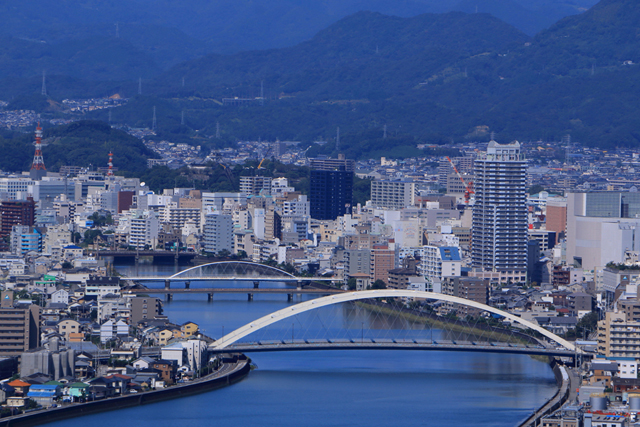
[
  {"x": 187, "y": 330},
  {"x": 113, "y": 329},
  {"x": 102, "y": 387},
  {"x": 142, "y": 363},
  {"x": 16, "y": 401},
  {"x": 67, "y": 327},
  {"x": 21, "y": 388},
  {"x": 44, "y": 395},
  {"x": 167, "y": 370},
  {"x": 77, "y": 391}
]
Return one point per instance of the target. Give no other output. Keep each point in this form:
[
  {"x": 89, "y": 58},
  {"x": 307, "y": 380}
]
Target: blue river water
[{"x": 341, "y": 388}]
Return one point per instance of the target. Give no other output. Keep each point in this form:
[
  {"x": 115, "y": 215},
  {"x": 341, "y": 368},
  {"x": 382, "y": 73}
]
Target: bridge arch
[
  {"x": 280, "y": 315},
  {"x": 233, "y": 269}
]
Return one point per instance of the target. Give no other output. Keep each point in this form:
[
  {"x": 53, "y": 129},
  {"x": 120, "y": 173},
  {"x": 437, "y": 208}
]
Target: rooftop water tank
[
  {"x": 634, "y": 402},
  {"x": 598, "y": 402}
]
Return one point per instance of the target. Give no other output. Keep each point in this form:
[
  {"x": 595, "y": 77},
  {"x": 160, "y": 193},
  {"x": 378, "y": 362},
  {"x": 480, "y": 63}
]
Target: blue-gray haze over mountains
[
  {"x": 429, "y": 78},
  {"x": 168, "y": 32}
]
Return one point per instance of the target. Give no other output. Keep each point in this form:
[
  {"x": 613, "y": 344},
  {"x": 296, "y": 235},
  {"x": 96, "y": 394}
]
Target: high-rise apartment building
[
  {"x": 499, "y": 225},
  {"x": 393, "y": 194},
  {"x": 470, "y": 288},
  {"x": 329, "y": 164},
  {"x": 255, "y": 185},
  {"x": 15, "y": 213},
  {"x": 218, "y": 233},
  {"x": 383, "y": 259},
  {"x": 19, "y": 327}
]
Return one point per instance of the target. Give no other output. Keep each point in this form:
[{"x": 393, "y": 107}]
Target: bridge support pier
[
  {"x": 187, "y": 284},
  {"x": 256, "y": 284},
  {"x": 169, "y": 297},
  {"x": 210, "y": 297},
  {"x": 289, "y": 297},
  {"x": 167, "y": 284},
  {"x": 250, "y": 296}
]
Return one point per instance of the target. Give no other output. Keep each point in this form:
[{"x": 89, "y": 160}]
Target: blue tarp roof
[
  {"x": 450, "y": 253},
  {"x": 41, "y": 394},
  {"x": 48, "y": 387}
]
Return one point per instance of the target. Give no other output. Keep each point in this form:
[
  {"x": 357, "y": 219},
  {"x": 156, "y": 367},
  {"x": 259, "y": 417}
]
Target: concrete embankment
[
  {"x": 231, "y": 374},
  {"x": 565, "y": 380}
]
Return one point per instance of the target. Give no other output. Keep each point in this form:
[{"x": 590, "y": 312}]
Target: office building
[
  {"x": 331, "y": 193},
  {"x": 602, "y": 227},
  {"x": 499, "y": 224}
]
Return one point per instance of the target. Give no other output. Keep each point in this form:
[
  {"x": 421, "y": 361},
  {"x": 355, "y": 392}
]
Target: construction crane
[
  {"x": 468, "y": 187},
  {"x": 260, "y": 165},
  {"x": 227, "y": 172}
]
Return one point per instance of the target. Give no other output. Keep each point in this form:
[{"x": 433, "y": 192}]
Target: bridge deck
[
  {"x": 236, "y": 291},
  {"x": 372, "y": 344},
  {"x": 229, "y": 279}
]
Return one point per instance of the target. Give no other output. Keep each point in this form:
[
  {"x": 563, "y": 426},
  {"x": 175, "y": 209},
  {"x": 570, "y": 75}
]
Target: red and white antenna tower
[
  {"x": 110, "y": 171},
  {"x": 38, "y": 161}
]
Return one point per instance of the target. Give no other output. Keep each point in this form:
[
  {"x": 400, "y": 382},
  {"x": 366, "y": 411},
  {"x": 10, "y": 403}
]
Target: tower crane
[{"x": 468, "y": 187}]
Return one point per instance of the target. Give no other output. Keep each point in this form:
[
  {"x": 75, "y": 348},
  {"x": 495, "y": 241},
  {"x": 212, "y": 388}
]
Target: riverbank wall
[
  {"x": 563, "y": 378},
  {"x": 208, "y": 383}
]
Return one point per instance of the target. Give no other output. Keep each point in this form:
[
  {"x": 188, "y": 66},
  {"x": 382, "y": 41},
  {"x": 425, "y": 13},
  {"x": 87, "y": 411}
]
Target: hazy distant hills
[
  {"x": 170, "y": 31},
  {"x": 430, "y": 78},
  {"x": 362, "y": 56},
  {"x": 435, "y": 77}
]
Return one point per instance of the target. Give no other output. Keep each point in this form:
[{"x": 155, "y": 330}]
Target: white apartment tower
[
  {"x": 218, "y": 232},
  {"x": 499, "y": 227}
]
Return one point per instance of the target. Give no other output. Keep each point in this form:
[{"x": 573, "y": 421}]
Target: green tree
[
  {"x": 535, "y": 189},
  {"x": 90, "y": 236},
  {"x": 352, "y": 283},
  {"x": 361, "y": 190},
  {"x": 379, "y": 284}
]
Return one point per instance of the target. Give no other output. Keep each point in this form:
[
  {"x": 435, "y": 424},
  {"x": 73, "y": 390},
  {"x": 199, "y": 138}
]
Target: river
[{"x": 341, "y": 388}]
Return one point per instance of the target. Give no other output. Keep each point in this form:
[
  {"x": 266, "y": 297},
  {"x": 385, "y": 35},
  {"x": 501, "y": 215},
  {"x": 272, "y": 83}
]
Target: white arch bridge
[
  {"x": 232, "y": 271},
  {"x": 466, "y": 336}
]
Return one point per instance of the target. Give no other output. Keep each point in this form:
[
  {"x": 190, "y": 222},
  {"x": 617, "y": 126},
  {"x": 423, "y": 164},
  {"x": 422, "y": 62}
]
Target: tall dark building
[
  {"x": 15, "y": 213},
  {"x": 331, "y": 193}
]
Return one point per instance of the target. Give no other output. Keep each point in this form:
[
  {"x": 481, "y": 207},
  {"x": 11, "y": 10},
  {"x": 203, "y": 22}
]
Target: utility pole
[
  {"x": 154, "y": 125},
  {"x": 44, "y": 83}
]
